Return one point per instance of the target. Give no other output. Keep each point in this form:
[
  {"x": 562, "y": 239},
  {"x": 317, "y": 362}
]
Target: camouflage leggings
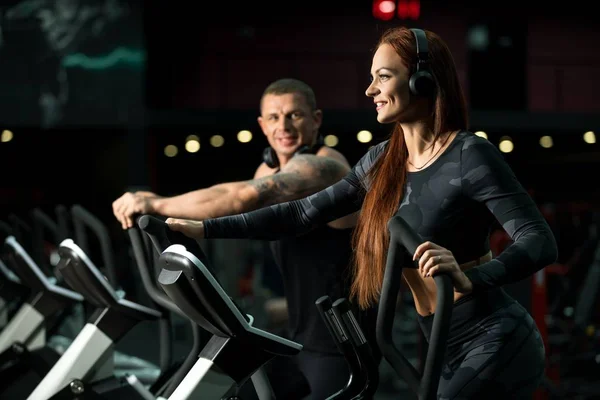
[{"x": 501, "y": 356}]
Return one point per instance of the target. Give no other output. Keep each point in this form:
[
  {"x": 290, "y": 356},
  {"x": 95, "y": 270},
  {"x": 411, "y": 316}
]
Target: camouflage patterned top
[{"x": 452, "y": 202}]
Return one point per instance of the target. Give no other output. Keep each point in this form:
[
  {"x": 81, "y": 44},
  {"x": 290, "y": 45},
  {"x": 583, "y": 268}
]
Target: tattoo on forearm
[{"x": 302, "y": 176}]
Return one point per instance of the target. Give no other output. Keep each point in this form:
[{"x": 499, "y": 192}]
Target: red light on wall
[
  {"x": 409, "y": 9},
  {"x": 384, "y": 9}
]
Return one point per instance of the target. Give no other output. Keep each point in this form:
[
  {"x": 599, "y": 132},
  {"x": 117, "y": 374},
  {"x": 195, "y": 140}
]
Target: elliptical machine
[
  {"x": 88, "y": 368},
  {"x": 236, "y": 350},
  {"x": 343, "y": 327},
  {"x": 350, "y": 340},
  {"x": 89, "y": 360},
  {"x": 25, "y": 356},
  {"x": 146, "y": 257},
  {"x": 403, "y": 240},
  {"x": 12, "y": 292}
]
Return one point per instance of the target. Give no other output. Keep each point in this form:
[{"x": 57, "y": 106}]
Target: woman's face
[{"x": 389, "y": 85}]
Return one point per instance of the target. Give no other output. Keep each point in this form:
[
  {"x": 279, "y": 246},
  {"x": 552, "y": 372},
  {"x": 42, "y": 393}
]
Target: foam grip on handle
[
  {"x": 324, "y": 306},
  {"x": 400, "y": 229},
  {"x": 151, "y": 224},
  {"x": 156, "y": 228},
  {"x": 5, "y": 230},
  {"x": 342, "y": 310},
  {"x": 342, "y": 305},
  {"x": 323, "y": 303}
]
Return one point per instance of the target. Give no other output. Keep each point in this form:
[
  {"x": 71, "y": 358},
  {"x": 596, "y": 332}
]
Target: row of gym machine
[{"x": 228, "y": 350}]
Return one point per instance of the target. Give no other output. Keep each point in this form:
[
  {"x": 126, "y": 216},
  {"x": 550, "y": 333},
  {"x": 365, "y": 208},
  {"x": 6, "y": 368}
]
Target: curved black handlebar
[
  {"x": 404, "y": 234},
  {"x": 202, "y": 298},
  {"x": 5, "y": 230},
  {"x": 20, "y": 230},
  {"x": 352, "y": 343},
  {"x": 403, "y": 238},
  {"x": 154, "y": 227},
  {"x": 9, "y": 281},
  {"x": 63, "y": 218},
  {"x": 369, "y": 367},
  {"x": 42, "y": 223},
  {"x": 343, "y": 342},
  {"x": 162, "y": 237},
  {"x": 159, "y": 297},
  {"x": 82, "y": 218},
  {"x": 144, "y": 263}
]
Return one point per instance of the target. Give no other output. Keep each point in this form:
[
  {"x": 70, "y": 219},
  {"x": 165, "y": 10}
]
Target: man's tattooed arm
[{"x": 302, "y": 176}]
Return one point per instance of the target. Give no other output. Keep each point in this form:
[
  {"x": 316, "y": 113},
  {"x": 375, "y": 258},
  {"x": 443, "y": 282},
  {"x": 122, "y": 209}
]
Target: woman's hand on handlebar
[
  {"x": 190, "y": 228},
  {"x": 434, "y": 259}
]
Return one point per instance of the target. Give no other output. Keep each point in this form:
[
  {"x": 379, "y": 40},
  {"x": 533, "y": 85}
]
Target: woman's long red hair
[{"x": 387, "y": 177}]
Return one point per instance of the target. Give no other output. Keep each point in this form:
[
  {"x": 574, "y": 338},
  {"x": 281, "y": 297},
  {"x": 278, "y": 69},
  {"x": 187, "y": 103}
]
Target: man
[{"x": 312, "y": 265}]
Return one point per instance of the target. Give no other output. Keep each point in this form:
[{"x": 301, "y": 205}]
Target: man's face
[{"x": 288, "y": 122}]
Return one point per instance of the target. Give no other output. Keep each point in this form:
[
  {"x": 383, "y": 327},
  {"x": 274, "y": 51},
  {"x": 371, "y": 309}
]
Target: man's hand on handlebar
[{"x": 126, "y": 207}]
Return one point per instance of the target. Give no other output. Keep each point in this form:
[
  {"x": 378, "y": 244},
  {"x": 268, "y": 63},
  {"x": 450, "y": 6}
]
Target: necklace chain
[{"x": 435, "y": 154}]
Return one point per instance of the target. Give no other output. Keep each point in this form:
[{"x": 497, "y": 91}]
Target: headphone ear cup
[
  {"x": 320, "y": 141},
  {"x": 270, "y": 158},
  {"x": 421, "y": 83},
  {"x": 303, "y": 149}
]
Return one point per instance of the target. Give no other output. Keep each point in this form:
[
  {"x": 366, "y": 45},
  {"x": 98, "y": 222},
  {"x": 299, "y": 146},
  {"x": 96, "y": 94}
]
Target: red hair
[{"x": 388, "y": 175}]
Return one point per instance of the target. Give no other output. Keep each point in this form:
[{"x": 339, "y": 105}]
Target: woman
[{"x": 449, "y": 185}]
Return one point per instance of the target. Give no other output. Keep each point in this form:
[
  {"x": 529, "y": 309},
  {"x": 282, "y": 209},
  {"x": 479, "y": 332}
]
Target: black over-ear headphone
[
  {"x": 270, "y": 157},
  {"x": 421, "y": 82}
]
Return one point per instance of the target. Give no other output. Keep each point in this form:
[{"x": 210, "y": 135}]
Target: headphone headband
[
  {"x": 270, "y": 157},
  {"x": 421, "y": 82},
  {"x": 422, "y": 48}
]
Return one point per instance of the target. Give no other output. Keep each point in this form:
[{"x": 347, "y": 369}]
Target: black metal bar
[
  {"x": 344, "y": 344},
  {"x": 82, "y": 219},
  {"x": 404, "y": 239},
  {"x": 21, "y": 230},
  {"x": 162, "y": 237},
  {"x": 63, "y": 219},
  {"x": 43, "y": 223},
  {"x": 369, "y": 367}
]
